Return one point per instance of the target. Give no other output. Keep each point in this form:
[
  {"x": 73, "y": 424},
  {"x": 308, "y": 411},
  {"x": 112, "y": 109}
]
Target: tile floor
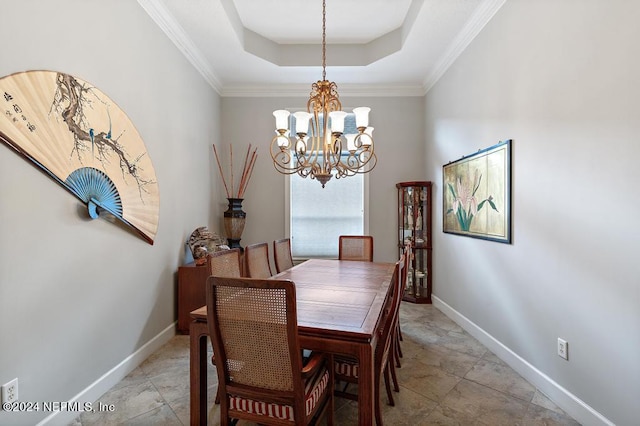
[{"x": 447, "y": 378}]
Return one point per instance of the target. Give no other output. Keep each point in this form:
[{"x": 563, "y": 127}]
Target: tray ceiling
[{"x": 272, "y": 47}]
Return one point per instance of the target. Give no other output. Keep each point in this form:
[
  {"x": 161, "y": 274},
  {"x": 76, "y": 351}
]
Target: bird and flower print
[{"x": 476, "y": 194}]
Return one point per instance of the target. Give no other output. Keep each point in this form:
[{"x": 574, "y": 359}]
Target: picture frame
[{"x": 476, "y": 194}]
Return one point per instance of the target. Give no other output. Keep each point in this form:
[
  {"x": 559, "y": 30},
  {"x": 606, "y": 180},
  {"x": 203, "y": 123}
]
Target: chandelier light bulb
[
  {"x": 362, "y": 116},
  {"x": 283, "y": 141},
  {"x": 302, "y": 121},
  {"x": 337, "y": 121},
  {"x": 282, "y": 118}
]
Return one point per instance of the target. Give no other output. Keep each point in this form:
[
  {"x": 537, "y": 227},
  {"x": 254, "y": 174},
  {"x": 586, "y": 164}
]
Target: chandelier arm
[
  {"x": 336, "y": 149},
  {"x": 305, "y": 160},
  {"x": 314, "y": 156},
  {"x": 352, "y": 163},
  {"x": 282, "y": 158},
  {"x": 367, "y": 165}
]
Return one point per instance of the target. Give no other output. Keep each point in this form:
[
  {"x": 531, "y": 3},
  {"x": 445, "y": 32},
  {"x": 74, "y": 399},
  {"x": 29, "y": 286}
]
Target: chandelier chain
[{"x": 324, "y": 40}]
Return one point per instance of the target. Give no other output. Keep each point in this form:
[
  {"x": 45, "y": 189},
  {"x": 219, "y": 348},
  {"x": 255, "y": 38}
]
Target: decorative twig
[
  {"x": 251, "y": 164},
  {"x": 231, "y": 151},
  {"x": 244, "y": 166},
  {"x": 221, "y": 174},
  {"x": 247, "y": 170},
  {"x": 244, "y": 170},
  {"x": 247, "y": 173}
]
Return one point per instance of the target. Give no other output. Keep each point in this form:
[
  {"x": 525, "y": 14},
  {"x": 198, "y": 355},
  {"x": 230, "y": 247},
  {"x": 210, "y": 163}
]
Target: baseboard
[
  {"x": 112, "y": 377},
  {"x": 571, "y": 404}
]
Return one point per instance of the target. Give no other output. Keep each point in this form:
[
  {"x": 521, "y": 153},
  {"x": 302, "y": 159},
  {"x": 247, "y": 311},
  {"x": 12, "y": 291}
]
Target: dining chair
[
  {"x": 395, "y": 332},
  {"x": 257, "y": 260},
  {"x": 261, "y": 376},
  {"x": 355, "y": 247},
  {"x": 225, "y": 263},
  {"x": 408, "y": 257},
  {"x": 282, "y": 254},
  {"x": 346, "y": 368}
]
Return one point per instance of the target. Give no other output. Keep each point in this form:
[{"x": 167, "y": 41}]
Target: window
[{"x": 318, "y": 216}]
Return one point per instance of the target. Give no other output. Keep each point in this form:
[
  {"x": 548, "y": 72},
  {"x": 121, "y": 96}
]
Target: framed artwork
[
  {"x": 79, "y": 137},
  {"x": 477, "y": 194}
]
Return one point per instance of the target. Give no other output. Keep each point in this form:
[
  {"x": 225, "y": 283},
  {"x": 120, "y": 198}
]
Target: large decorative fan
[{"x": 79, "y": 136}]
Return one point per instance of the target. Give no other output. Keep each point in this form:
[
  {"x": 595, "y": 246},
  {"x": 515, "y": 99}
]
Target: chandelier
[{"x": 323, "y": 150}]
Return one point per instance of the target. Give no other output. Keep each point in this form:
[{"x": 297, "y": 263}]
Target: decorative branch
[
  {"x": 69, "y": 101},
  {"x": 247, "y": 170},
  {"x": 231, "y": 165},
  {"x": 244, "y": 167},
  {"x": 215, "y": 152}
]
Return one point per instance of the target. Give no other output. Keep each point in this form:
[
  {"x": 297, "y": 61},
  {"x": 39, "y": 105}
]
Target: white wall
[
  {"x": 398, "y": 137},
  {"x": 77, "y": 297},
  {"x": 561, "y": 79}
]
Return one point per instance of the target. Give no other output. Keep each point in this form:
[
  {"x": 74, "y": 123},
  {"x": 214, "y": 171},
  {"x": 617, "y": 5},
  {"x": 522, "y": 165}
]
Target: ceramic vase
[{"x": 234, "y": 219}]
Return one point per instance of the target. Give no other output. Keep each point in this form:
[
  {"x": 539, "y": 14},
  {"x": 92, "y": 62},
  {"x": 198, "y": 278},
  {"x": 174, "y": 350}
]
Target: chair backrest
[
  {"x": 355, "y": 247},
  {"x": 391, "y": 312},
  {"x": 257, "y": 260},
  {"x": 225, "y": 263},
  {"x": 253, "y": 328},
  {"x": 282, "y": 254}
]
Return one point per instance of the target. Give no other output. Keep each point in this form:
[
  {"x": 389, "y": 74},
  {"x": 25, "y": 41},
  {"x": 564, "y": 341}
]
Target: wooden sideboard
[{"x": 192, "y": 293}]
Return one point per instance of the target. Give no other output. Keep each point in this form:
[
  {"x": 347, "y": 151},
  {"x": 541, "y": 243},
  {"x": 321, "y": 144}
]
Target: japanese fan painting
[{"x": 85, "y": 142}]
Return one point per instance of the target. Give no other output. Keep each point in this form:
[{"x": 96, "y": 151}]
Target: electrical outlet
[
  {"x": 10, "y": 391},
  {"x": 563, "y": 349}
]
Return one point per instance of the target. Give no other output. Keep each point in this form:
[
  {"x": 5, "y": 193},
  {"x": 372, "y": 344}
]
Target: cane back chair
[
  {"x": 261, "y": 376},
  {"x": 355, "y": 247},
  {"x": 257, "y": 260},
  {"x": 225, "y": 263},
  {"x": 282, "y": 254}
]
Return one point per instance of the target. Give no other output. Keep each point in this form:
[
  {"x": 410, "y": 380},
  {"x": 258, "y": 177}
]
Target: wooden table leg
[
  {"x": 366, "y": 403},
  {"x": 198, "y": 335}
]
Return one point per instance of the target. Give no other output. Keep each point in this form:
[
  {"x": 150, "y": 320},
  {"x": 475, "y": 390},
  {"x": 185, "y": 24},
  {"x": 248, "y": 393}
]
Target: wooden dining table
[{"x": 339, "y": 305}]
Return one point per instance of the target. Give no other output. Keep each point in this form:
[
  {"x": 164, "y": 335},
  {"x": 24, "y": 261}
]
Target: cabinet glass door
[{"x": 414, "y": 227}]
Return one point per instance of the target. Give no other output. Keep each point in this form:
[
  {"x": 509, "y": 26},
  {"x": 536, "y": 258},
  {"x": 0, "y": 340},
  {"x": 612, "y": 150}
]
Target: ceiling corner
[
  {"x": 167, "y": 23},
  {"x": 474, "y": 25}
]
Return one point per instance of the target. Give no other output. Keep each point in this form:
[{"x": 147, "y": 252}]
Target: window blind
[{"x": 320, "y": 215}]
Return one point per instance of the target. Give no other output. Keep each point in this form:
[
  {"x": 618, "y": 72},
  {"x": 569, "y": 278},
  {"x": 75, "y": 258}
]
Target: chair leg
[
  {"x": 394, "y": 377},
  {"x": 376, "y": 399},
  {"x": 332, "y": 384},
  {"x": 387, "y": 385},
  {"x": 397, "y": 352},
  {"x": 378, "y": 415},
  {"x": 327, "y": 412}
]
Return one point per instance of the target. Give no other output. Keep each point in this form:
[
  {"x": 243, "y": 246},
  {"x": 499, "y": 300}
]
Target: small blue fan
[{"x": 96, "y": 189}]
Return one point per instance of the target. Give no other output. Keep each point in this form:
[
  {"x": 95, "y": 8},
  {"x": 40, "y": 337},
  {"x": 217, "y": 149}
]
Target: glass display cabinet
[{"x": 414, "y": 226}]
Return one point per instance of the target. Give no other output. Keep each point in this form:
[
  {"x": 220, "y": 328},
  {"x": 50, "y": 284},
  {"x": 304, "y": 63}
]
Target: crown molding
[
  {"x": 472, "y": 28},
  {"x": 303, "y": 90},
  {"x": 167, "y": 23}
]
